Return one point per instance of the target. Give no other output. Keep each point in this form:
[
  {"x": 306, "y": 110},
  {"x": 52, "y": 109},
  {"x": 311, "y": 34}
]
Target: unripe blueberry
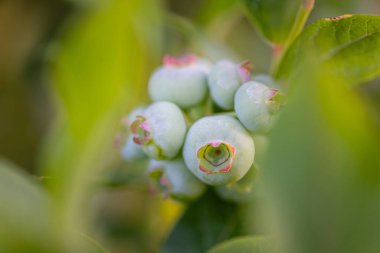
[
  {"x": 224, "y": 80},
  {"x": 243, "y": 190},
  {"x": 131, "y": 151},
  {"x": 124, "y": 140},
  {"x": 132, "y": 115},
  {"x": 182, "y": 81},
  {"x": 174, "y": 179},
  {"x": 218, "y": 150},
  {"x": 256, "y": 105},
  {"x": 265, "y": 79},
  {"x": 160, "y": 130}
]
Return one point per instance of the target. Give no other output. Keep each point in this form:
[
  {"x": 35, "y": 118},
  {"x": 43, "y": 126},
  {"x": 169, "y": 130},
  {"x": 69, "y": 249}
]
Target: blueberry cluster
[{"x": 199, "y": 129}]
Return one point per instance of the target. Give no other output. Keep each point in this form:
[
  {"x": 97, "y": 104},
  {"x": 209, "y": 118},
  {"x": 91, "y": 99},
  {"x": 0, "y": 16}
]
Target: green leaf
[
  {"x": 212, "y": 9},
  {"x": 93, "y": 245},
  {"x": 322, "y": 168},
  {"x": 349, "y": 44},
  {"x": 249, "y": 244},
  {"x": 99, "y": 70},
  {"x": 24, "y": 213},
  {"x": 205, "y": 223},
  {"x": 275, "y": 19},
  {"x": 88, "y": 3}
]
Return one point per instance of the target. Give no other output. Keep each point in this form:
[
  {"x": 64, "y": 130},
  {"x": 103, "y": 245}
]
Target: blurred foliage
[
  {"x": 274, "y": 19},
  {"x": 206, "y": 222},
  {"x": 324, "y": 181},
  {"x": 25, "y": 213},
  {"x": 246, "y": 244},
  {"x": 99, "y": 66}
]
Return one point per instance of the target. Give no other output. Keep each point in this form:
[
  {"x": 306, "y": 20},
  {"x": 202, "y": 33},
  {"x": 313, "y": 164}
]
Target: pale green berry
[
  {"x": 129, "y": 150},
  {"x": 132, "y": 115},
  {"x": 132, "y": 151},
  {"x": 265, "y": 79},
  {"x": 175, "y": 180},
  {"x": 182, "y": 81},
  {"x": 242, "y": 191},
  {"x": 224, "y": 79},
  {"x": 218, "y": 150},
  {"x": 203, "y": 64},
  {"x": 256, "y": 106},
  {"x": 160, "y": 130}
]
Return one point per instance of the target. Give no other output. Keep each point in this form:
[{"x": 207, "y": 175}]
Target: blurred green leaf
[
  {"x": 100, "y": 70},
  {"x": 24, "y": 214},
  {"x": 276, "y": 19},
  {"x": 349, "y": 44},
  {"x": 248, "y": 244},
  {"x": 322, "y": 168},
  {"x": 93, "y": 245},
  {"x": 88, "y": 3},
  {"x": 205, "y": 223},
  {"x": 211, "y": 9}
]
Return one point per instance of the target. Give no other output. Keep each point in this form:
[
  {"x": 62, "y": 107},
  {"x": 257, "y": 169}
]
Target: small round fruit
[
  {"x": 124, "y": 140},
  {"x": 265, "y": 79},
  {"x": 243, "y": 190},
  {"x": 131, "y": 151},
  {"x": 174, "y": 179},
  {"x": 256, "y": 106},
  {"x": 182, "y": 81},
  {"x": 218, "y": 150},
  {"x": 224, "y": 79},
  {"x": 160, "y": 131}
]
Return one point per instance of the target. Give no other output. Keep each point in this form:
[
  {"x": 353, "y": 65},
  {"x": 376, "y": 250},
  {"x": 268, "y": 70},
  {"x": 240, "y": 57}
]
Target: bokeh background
[{"x": 70, "y": 69}]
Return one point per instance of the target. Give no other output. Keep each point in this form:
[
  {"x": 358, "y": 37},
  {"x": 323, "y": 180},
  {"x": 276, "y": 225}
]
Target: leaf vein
[{"x": 336, "y": 50}]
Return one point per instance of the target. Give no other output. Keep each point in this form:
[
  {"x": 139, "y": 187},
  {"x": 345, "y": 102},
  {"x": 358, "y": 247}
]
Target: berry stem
[
  {"x": 278, "y": 50},
  {"x": 183, "y": 26}
]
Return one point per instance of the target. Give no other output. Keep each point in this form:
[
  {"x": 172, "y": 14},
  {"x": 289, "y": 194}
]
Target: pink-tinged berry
[
  {"x": 224, "y": 80},
  {"x": 181, "y": 80},
  {"x": 160, "y": 131},
  {"x": 218, "y": 150},
  {"x": 142, "y": 132},
  {"x": 216, "y": 157},
  {"x": 129, "y": 150}
]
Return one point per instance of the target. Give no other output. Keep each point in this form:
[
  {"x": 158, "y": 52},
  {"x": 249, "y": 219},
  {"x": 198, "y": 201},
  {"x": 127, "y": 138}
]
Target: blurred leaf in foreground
[
  {"x": 205, "y": 223},
  {"x": 322, "y": 168},
  {"x": 24, "y": 214},
  {"x": 247, "y": 244},
  {"x": 99, "y": 70}
]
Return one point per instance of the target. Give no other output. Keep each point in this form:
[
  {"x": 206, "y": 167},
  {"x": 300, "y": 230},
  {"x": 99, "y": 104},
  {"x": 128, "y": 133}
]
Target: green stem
[
  {"x": 183, "y": 26},
  {"x": 301, "y": 18}
]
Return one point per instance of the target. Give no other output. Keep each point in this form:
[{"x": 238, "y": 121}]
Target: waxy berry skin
[
  {"x": 182, "y": 81},
  {"x": 174, "y": 179},
  {"x": 160, "y": 131},
  {"x": 224, "y": 79},
  {"x": 218, "y": 150},
  {"x": 265, "y": 79},
  {"x": 243, "y": 191},
  {"x": 131, "y": 151},
  {"x": 256, "y": 106}
]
